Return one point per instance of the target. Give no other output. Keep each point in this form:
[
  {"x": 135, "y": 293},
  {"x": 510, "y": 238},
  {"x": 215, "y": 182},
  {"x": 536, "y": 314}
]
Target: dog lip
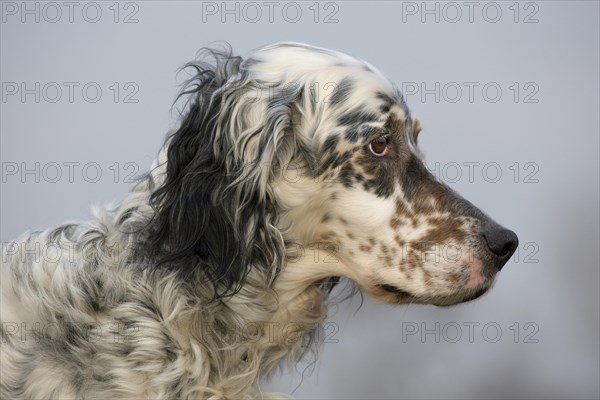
[
  {"x": 393, "y": 289},
  {"x": 471, "y": 297}
]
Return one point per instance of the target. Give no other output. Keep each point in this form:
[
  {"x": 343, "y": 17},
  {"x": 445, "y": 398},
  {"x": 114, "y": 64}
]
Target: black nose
[{"x": 502, "y": 242}]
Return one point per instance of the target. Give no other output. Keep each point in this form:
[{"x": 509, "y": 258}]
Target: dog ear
[{"x": 215, "y": 212}]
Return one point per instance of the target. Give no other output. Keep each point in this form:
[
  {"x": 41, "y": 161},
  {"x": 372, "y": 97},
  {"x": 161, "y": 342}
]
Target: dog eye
[{"x": 379, "y": 146}]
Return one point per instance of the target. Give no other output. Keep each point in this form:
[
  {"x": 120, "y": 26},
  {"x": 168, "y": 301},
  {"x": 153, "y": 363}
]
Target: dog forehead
[{"x": 348, "y": 92}]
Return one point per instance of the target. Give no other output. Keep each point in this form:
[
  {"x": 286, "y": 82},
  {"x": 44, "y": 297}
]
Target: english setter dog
[{"x": 289, "y": 169}]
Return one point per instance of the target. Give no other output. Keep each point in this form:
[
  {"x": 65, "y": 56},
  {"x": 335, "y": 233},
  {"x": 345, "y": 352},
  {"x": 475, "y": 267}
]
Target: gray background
[{"x": 550, "y": 290}]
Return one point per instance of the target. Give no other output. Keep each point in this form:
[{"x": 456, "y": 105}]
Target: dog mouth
[
  {"x": 394, "y": 290},
  {"x": 393, "y": 295},
  {"x": 436, "y": 300},
  {"x": 459, "y": 298}
]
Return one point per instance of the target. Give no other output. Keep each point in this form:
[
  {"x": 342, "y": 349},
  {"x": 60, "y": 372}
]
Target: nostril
[{"x": 502, "y": 242}]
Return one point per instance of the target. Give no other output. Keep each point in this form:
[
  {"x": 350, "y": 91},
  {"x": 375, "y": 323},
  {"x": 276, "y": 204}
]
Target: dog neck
[
  {"x": 262, "y": 327},
  {"x": 269, "y": 320}
]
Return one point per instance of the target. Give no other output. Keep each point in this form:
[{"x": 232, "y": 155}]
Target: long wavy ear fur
[{"x": 215, "y": 211}]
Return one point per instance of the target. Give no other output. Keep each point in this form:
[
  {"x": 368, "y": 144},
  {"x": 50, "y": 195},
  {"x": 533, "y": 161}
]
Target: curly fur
[{"x": 205, "y": 277}]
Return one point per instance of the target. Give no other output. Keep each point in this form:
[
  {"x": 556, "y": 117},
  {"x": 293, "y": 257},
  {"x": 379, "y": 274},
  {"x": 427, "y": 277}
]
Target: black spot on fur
[
  {"x": 357, "y": 117},
  {"x": 353, "y": 134},
  {"x": 330, "y": 143},
  {"x": 382, "y": 184},
  {"x": 387, "y": 102},
  {"x": 334, "y": 160},
  {"x": 342, "y": 91},
  {"x": 346, "y": 175}
]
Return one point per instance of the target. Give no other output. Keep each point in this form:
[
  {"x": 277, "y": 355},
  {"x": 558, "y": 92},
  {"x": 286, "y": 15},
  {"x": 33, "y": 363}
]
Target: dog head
[{"x": 303, "y": 145}]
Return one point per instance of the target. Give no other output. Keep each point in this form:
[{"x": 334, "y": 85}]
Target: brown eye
[{"x": 379, "y": 146}]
